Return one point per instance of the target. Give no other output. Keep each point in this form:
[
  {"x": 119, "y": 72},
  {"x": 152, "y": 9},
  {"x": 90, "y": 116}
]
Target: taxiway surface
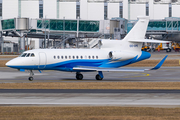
[
  {"x": 150, "y": 98},
  {"x": 165, "y": 74}
]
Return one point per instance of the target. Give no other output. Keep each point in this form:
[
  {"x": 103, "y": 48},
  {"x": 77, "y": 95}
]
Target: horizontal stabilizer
[{"x": 149, "y": 40}]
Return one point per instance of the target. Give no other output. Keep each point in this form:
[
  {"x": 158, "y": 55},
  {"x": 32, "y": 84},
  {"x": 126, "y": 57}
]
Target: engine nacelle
[{"x": 120, "y": 55}]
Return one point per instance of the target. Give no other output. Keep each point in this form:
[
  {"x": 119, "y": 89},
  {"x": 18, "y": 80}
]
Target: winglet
[{"x": 159, "y": 64}]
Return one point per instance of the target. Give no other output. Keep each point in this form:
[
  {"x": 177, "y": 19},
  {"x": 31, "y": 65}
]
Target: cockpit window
[
  {"x": 28, "y": 55},
  {"x": 23, "y": 55},
  {"x": 32, "y": 55}
]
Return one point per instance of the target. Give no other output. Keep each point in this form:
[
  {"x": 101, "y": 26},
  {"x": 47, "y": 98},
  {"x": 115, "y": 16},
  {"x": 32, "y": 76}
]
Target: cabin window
[
  {"x": 28, "y": 55},
  {"x": 77, "y": 57},
  {"x": 58, "y": 57},
  {"x": 24, "y": 55},
  {"x": 65, "y": 57},
  {"x": 61, "y": 57},
  {"x": 85, "y": 57},
  {"x": 32, "y": 55},
  {"x": 69, "y": 57},
  {"x": 89, "y": 57},
  {"x": 81, "y": 57},
  {"x": 54, "y": 57},
  {"x": 73, "y": 57},
  {"x": 92, "y": 57},
  {"x": 96, "y": 57}
]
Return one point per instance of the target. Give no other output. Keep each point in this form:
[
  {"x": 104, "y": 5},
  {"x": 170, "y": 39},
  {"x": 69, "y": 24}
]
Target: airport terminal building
[
  {"x": 89, "y": 9},
  {"x": 101, "y": 12}
]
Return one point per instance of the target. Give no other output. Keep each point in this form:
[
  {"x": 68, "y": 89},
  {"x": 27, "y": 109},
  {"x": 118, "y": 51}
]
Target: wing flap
[{"x": 107, "y": 69}]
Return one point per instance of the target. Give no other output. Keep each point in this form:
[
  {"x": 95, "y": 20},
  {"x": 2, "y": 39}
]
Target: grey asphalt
[
  {"x": 137, "y": 98},
  {"x": 164, "y": 74},
  {"x": 91, "y": 99},
  {"x": 102, "y": 91}
]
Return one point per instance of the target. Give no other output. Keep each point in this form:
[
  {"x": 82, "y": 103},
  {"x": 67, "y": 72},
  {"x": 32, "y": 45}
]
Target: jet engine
[{"x": 120, "y": 55}]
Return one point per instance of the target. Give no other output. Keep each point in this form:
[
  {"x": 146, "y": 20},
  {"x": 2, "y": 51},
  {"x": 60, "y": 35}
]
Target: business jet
[{"x": 110, "y": 56}]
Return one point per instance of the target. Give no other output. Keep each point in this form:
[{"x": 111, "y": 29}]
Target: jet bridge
[
  {"x": 62, "y": 29},
  {"x": 164, "y": 29}
]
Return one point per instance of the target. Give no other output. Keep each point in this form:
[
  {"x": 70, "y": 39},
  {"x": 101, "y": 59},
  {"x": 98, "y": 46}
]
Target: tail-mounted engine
[{"x": 120, "y": 55}]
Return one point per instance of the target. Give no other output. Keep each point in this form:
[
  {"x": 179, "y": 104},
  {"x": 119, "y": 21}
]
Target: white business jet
[{"x": 110, "y": 56}]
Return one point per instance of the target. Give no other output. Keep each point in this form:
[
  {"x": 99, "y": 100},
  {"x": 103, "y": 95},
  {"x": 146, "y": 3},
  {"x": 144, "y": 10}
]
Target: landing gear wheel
[
  {"x": 79, "y": 76},
  {"x": 98, "y": 77},
  {"x": 30, "y": 78}
]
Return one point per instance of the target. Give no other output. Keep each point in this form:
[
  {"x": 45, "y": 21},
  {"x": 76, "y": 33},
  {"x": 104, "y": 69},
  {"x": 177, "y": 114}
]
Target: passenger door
[{"x": 42, "y": 60}]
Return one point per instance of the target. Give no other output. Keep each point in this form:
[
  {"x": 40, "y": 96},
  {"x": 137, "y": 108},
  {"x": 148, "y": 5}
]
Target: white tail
[{"x": 139, "y": 30}]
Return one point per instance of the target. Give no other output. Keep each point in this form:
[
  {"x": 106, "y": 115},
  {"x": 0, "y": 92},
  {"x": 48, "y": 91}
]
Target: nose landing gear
[{"x": 31, "y": 75}]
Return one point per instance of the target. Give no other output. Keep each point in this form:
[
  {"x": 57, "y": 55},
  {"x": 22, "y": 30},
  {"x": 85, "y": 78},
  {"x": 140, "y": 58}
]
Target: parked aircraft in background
[{"x": 110, "y": 56}]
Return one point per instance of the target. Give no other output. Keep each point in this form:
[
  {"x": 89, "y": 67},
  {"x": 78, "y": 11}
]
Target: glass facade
[
  {"x": 69, "y": 25},
  {"x": 166, "y": 25},
  {"x": 8, "y": 24}
]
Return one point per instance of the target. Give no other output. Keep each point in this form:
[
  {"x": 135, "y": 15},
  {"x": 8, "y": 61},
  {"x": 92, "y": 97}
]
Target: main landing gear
[
  {"x": 99, "y": 76},
  {"x": 31, "y": 75},
  {"x": 79, "y": 76}
]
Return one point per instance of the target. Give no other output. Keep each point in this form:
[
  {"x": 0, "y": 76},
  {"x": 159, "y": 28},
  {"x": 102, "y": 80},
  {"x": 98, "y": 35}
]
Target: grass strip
[
  {"x": 89, "y": 113},
  {"x": 93, "y": 85}
]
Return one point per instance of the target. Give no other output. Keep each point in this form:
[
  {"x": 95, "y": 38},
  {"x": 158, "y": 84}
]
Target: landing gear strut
[
  {"x": 31, "y": 75},
  {"x": 79, "y": 76},
  {"x": 99, "y": 76}
]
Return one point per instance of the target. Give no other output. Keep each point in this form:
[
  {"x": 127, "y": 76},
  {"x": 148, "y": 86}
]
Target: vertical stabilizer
[{"x": 139, "y": 30}]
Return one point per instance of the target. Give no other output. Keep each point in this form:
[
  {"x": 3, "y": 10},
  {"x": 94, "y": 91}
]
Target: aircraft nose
[{"x": 9, "y": 63}]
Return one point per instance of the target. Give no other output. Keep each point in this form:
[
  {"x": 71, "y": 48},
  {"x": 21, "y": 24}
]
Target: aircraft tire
[
  {"x": 98, "y": 77},
  {"x": 79, "y": 76},
  {"x": 30, "y": 78}
]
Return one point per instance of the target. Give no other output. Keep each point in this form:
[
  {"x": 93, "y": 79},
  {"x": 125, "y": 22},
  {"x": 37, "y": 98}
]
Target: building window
[
  {"x": 105, "y": 10},
  {"x": 0, "y": 8},
  {"x": 170, "y": 10},
  {"x": 40, "y": 8},
  {"x": 77, "y": 9},
  {"x": 121, "y": 10},
  {"x": 147, "y": 9}
]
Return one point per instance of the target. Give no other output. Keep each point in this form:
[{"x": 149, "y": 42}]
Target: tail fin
[{"x": 139, "y": 30}]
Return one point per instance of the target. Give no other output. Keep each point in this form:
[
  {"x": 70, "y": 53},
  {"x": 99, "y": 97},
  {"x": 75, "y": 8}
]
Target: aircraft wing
[{"x": 85, "y": 68}]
